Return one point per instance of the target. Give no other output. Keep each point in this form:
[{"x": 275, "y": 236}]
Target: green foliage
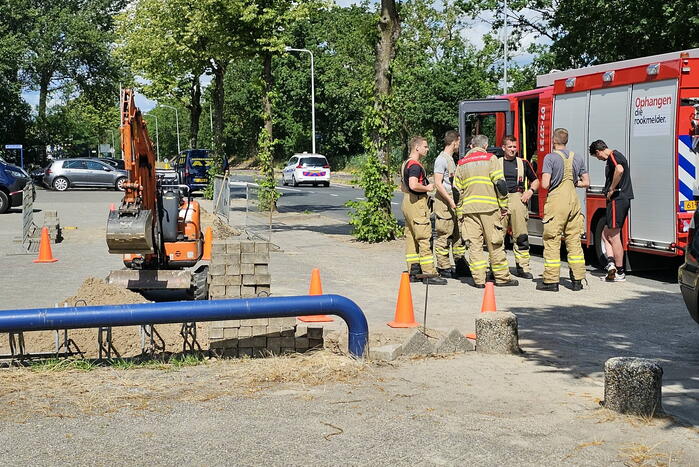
[
  {"x": 63, "y": 364},
  {"x": 372, "y": 218}
]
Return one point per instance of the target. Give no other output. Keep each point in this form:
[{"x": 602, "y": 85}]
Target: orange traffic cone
[
  {"x": 45, "y": 255},
  {"x": 208, "y": 240},
  {"x": 488, "y": 304},
  {"x": 405, "y": 317},
  {"x": 315, "y": 289}
]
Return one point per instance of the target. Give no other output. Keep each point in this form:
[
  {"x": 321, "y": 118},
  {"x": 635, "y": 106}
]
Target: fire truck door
[
  {"x": 470, "y": 111},
  {"x": 570, "y": 112}
]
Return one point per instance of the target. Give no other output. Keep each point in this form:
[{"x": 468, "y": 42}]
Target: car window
[
  {"x": 292, "y": 161},
  {"x": 313, "y": 161},
  {"x": 73, "y": 164},
  {"x": 93, "y": 165}
]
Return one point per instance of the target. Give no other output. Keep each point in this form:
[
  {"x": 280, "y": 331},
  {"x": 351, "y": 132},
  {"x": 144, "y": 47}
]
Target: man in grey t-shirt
[
  {"x": 446, "y": 223},
  {"x": 554, "y": 165}
]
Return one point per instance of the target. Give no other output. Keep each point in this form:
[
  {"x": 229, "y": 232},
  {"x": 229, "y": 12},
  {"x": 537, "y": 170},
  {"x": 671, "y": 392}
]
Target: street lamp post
[
  {"x": 157, "y": 139},
  {"x": 504, "y": 86},
  {"x": 313, "y": 97},
  {"x": 177, "y": 123}
]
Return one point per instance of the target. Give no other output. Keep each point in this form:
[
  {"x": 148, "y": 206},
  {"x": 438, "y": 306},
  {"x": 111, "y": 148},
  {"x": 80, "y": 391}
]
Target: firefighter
[
  {"x": 444, "y": 207},
  {"x": 418, "y": 228},
  {"x": 482, "y": 204},
  {"x": 521, "y": 185},
  {"x": 563, "y": 171}
]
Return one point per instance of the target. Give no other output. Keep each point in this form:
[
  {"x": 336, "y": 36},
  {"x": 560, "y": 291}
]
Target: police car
[{"x": 306, "y": 168}]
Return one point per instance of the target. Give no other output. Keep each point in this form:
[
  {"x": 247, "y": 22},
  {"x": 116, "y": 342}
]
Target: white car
[{"x": 306, "y": 168}]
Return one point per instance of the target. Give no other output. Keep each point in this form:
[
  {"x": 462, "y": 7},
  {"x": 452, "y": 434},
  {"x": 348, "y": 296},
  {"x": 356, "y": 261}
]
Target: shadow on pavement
[{"x": 578, "y": 339}]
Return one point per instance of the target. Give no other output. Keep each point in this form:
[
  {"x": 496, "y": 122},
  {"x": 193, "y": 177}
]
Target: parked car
[
  {"x": 67, "y": 173},
  {"x": 306, "y": 168},
  {"x": 37, "y": 175},
  {"x": 12, "y": 181},
  {"x": 688, "y": 276},
  {"x": 192, "y": 167}
]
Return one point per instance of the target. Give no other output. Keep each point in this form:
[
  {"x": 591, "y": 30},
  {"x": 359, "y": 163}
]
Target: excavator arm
[{"x": 133, "y": 227}]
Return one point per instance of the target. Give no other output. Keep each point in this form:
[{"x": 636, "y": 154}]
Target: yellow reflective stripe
[
  {"x": 441, "y": 251},
  {"x": 552, "y": 263},
  {"x": 481, "y": 182},
  {"x": 576, "y": 257},
  {"x": 499, "y": 267},
  {"x": 478, "y": 268},
  {"x": 427, "y": 261},
  {"x": 416, "y": 256},
  {"x": 576, "y": 261},
  {"x": 521, "y": 255},
  {"x": 496, "y": 175},
  {"x": 481, "y": 201}
]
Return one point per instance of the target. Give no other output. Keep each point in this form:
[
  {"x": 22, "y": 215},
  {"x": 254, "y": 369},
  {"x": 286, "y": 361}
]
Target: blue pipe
[{"x": 47, "y": 319}]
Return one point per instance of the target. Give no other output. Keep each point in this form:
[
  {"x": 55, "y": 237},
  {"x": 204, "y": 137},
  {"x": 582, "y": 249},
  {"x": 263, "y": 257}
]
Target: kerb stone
[
  {"x": 633, "y": 386},
  {"x": 386, "y": 353},
  {"x": 418, "y": 344},
  {"x": 453, "y": 342},
  {"x": 496, "y": 333}
]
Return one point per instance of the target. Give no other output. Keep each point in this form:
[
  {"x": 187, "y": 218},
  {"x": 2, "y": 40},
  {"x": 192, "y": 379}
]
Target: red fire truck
[{"x": 646, "y": 108}]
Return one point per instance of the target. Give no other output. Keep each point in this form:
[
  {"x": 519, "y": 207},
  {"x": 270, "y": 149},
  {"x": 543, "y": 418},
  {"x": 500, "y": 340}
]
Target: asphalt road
[{"x": 328, "y": 201}]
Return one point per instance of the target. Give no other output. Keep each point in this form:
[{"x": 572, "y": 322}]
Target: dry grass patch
[
  {"x": 26, "y": 392},
  {"x": 641, "y": 455}
]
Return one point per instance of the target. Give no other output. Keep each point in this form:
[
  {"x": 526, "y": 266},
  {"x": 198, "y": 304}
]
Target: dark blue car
[
  {"x": 192, "y": 167},
  {"x": 12, "y": 182}
]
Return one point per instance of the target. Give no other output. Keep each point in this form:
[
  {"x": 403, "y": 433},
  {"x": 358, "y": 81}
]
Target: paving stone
[
  {"x": 233, "y": 269},
  {"x": 315, "y": 332},
  {"x": 263, "y": 290},
  {"x": 417, "y": 344},
  {"x": 262, "y": 247},
  {"x": 245, "y": 331},
  {"x": 225, "y": 280},
  {"x": 218, "y": 248},
  {"x": 453, "y": 342},
  {"x": 261, "y": 269},
  {"x": 289, "y": 341},
  {"x": 496, "y": 333},
  {"x": 232, "y": 291},
  {"x": 633, "y": 386},
  {"x": 246, "y": 342},
  {"x": 230, "y": 333},
  {"x": 215, "y": 332},
  {"x": 301, "y": 343},
  {"x": 315, "y": 343},
  {"x": 229, "y": 323},
  {"x": 217, "y": 290},
  {"x": 245, "y": 352},
  {"x": 247, "y": 247},
  {"x": 233, "y": 248},
  {"x": 259, "y": 341},
  {"x": 260, "y": 330},
  {"x": 254, "y": 258},
  {"x": 247, "y": 269},
  {"x": 217, "y": 270},
  {"x": 386, "y": 352}
]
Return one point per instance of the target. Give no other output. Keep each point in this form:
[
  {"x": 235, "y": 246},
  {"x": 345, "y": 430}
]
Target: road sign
[{"x": 13, "y": 146}]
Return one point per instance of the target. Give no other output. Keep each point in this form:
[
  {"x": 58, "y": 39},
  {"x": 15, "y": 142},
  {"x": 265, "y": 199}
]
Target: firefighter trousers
[
  {"x": 563, "y": 217},
  {"x": 477, "y": 228},
  {"x": 448, "y": 235},
  {"x": 516, "y": 220},
  {"x": 418, "y": 231}
]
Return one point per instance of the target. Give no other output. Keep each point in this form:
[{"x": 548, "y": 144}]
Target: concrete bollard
[
  {"x": 633, "y": 386},
  {"x": 497, "y": 333}
]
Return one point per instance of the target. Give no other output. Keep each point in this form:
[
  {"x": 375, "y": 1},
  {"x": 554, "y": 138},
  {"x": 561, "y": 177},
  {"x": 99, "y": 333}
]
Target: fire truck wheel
[{"x": 600, "y": 257}]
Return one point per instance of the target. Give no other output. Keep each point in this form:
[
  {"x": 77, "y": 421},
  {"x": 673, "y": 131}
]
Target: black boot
[
  {"x": 446, "y": 273},
  {"x": 553, "y": 287},
  {"x": 577, "y": 285},
  {"x": 435, "y": 281},
  {"x": 415, "y": 270},
  {"x": 524, "y": 275},
  {"x": 462, "y": 270},
  {"x": 510, "y": 283}
]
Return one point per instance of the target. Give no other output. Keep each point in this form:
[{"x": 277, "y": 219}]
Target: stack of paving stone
[
  {"x": 262, "y": 337},
  {"x": 240, "y": 269}
]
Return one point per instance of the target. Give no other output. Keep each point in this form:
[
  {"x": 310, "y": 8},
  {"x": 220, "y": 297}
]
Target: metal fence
[
  {"x": 258, "y": 219},
  {"x": 222, "y": 196}
]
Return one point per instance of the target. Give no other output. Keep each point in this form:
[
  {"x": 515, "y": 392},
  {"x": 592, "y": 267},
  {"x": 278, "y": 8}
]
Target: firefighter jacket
[{"x": 480, "y": 183}]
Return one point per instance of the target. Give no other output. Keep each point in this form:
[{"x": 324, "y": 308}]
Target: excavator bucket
[
  {"x": 143, "y": 279},
  {"x": 129, "y": 232}
]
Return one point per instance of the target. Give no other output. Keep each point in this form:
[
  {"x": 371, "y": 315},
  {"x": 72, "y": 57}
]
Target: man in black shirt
[
  {"x": 521, "y": 185},
  {"x": 619, "y": 193}
]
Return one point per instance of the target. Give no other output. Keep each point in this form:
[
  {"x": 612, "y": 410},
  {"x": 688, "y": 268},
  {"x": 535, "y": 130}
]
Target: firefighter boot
[
  {"x": 415, "y": 269},
  {"x": 550, "y": 287},
  {"x": 461, "y": 269},
  {"x": 576, "y": 285},
  {"x": 446, "y": 273},
  {"x": 510, "y": 283},
  {"x": 523, "y": 274},
  {"x": 434, "y": 281}
]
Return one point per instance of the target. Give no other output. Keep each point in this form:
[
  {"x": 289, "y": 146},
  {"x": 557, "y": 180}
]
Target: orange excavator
[{"x": 157, "y": 226}]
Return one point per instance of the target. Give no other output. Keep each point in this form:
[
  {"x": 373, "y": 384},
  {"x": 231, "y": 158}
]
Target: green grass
[{"x": 61, "y": 364}]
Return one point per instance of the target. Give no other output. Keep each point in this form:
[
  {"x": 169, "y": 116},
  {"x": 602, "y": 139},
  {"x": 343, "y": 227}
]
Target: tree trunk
[
  {"x": 268, "y": 82},
  {"x": 389, "y": 31},
  {"x": 194, "y": 112},
  {"x": 44, "y": 82},
  {"x": 218, "y": 100}
]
